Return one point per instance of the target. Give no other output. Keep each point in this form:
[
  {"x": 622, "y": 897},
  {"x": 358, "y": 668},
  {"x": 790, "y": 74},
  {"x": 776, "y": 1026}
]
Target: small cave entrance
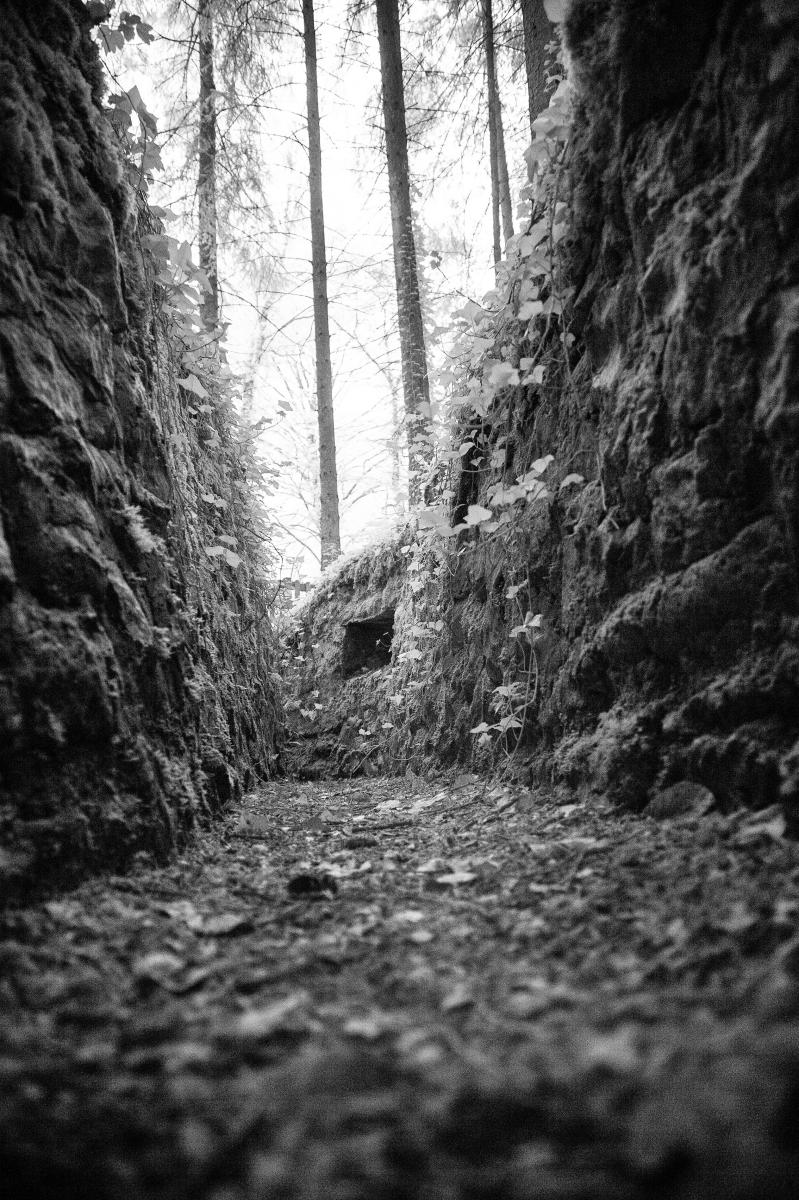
[{"x": 367, "y": 644}]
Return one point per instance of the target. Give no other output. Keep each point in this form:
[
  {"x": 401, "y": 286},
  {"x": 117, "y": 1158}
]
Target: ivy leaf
[
  {"x": 232, "y": 558},
  {"x": 530, "y": 622},
  {"x": 157, "y": 244},
  {"x": 470, "y": 311},
  {"x": 181, "y": 256},
  {"x": 113, "y": 39},
  {"x": 163, "y": 214},
  {"x": 476, "y": 514},
  {"x": 502, "y": 374},
  {"x": 538, "y": 467},
  {"x": 433, "y": 518},
  {"x": 501, "y": 495},
  {"x": 552, "y": 305},
  {"x": 151, "y": 159},
  {"x": 192, "y": 384},
  {"x": 141, "y": 110},
  {"x": 530, "y": 309},
  {"x": 570, "y": 481}
]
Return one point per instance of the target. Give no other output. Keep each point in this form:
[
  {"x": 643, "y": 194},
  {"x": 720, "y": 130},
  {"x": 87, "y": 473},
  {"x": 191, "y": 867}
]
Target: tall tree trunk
[
  {"x": 500, "y": 199},
  {"x": 397, "y": 505},
  {"x": 206, "y": 177},
  {"x": 504, "y": 179},
  {"x": 493, "y": 162},
  {"x": 329, "y": 534},
  {"x": 500, "y": 184},
  {"x": 412, "y": 348},
  {"x": 537, "y": 31}
]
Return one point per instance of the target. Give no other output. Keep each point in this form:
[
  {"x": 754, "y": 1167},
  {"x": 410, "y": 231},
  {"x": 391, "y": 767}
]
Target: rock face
[
  {"x": 667, "y": 581},
  {"x": 118, "y": 663},
  {"x": 683, "y": 636},
  {"x": 341, "y": 662}
]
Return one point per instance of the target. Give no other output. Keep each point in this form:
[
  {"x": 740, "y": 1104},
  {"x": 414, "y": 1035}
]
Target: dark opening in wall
[{"x": 367, "y": 644}]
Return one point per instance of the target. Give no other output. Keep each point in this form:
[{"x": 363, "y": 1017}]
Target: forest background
[{"x": 264, "y": 233}]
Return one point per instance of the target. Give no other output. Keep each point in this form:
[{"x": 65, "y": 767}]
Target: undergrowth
[
  {"x": 487, "y": 488},
  {"x": 217, "y": 542}
]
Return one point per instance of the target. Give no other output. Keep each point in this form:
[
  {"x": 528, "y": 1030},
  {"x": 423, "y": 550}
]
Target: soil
[{"x": 391, "y": 989}]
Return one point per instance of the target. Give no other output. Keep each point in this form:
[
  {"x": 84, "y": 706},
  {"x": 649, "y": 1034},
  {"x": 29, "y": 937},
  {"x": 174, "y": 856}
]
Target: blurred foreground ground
[{"x": 397, "y": 989}]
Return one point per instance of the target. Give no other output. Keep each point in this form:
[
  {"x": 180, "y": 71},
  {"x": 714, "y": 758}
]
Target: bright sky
[{"x": 450, "y": 176}]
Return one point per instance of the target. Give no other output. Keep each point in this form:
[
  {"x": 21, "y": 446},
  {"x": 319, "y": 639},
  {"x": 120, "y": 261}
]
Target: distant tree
[
  {"x": 207, "y": 237},
  {"x": 500, "y": 185},
  {"x": 330, "y": 537},
  {"x": 221, "y": 63},
  {"x": 411, "y": 330},
  {"x": 537, "y": 32}
]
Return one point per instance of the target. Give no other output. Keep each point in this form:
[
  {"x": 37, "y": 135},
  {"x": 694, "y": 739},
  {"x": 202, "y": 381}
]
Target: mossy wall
[
  {"x": 667, "y": 581},
  {"x": 135, "y": 683}
]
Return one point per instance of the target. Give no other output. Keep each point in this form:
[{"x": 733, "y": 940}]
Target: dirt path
[{"x": 376, "y": 990}]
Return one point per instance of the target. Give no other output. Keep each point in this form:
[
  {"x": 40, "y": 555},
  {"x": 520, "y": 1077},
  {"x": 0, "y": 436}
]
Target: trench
[
  {"x": 405, "y": 988},
  {"x": 409, "y": 988}
]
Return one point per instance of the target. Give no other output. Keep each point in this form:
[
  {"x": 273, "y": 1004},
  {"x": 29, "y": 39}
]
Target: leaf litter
[{"x": 491, "y": 995}]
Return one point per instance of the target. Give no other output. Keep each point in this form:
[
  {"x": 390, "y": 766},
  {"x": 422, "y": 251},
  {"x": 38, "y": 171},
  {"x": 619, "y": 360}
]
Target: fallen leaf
[
  {"x": 738, "y": 919},
  {"x": 253, "y": 825},
  {"x": 583, "y": 843},
  {"x": 179, "y": 910},
  {"x": 420, "y": 805},
  {"x": 262, "y": 1022},
  {"x": 64, "y": 910},
  {"x": 460, "y": 997},
  {"x": 768, "y": 823},
  {"x": 159, "y": 967},
  {"x": 431, "y": 866},
  {"x": 368, "y": 1028},
  {"x": 219, "y": 926},
  {"x": 408, "y": 915},
  {"x": 188, "y": 981},
  {"x": 456, "y": 877},
  {"x": 616, "y": 1050}
]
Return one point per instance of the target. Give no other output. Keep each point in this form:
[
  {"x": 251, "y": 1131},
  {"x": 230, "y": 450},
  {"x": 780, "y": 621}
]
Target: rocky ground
[{"x": 392, "y": 989}]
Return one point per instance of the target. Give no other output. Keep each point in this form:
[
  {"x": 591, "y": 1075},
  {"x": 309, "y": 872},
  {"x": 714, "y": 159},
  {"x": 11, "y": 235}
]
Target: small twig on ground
[{"x": 386, "y": 825}]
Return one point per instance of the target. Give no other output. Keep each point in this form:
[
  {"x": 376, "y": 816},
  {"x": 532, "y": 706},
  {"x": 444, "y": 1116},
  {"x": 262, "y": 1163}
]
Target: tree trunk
[
  {"x": 504, "y": 179},
  {"x": 329, "y": 534},
  {"x": 500, "y": 185},
  {"x": 537, "y": 32},
  {"x": 412, "y": 348},
  {"x": 397, "y": 505},
  {"x": 206, "y": 177}
]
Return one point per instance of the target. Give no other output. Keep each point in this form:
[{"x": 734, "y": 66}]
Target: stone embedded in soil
[{"x": 680, "y": 799}]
